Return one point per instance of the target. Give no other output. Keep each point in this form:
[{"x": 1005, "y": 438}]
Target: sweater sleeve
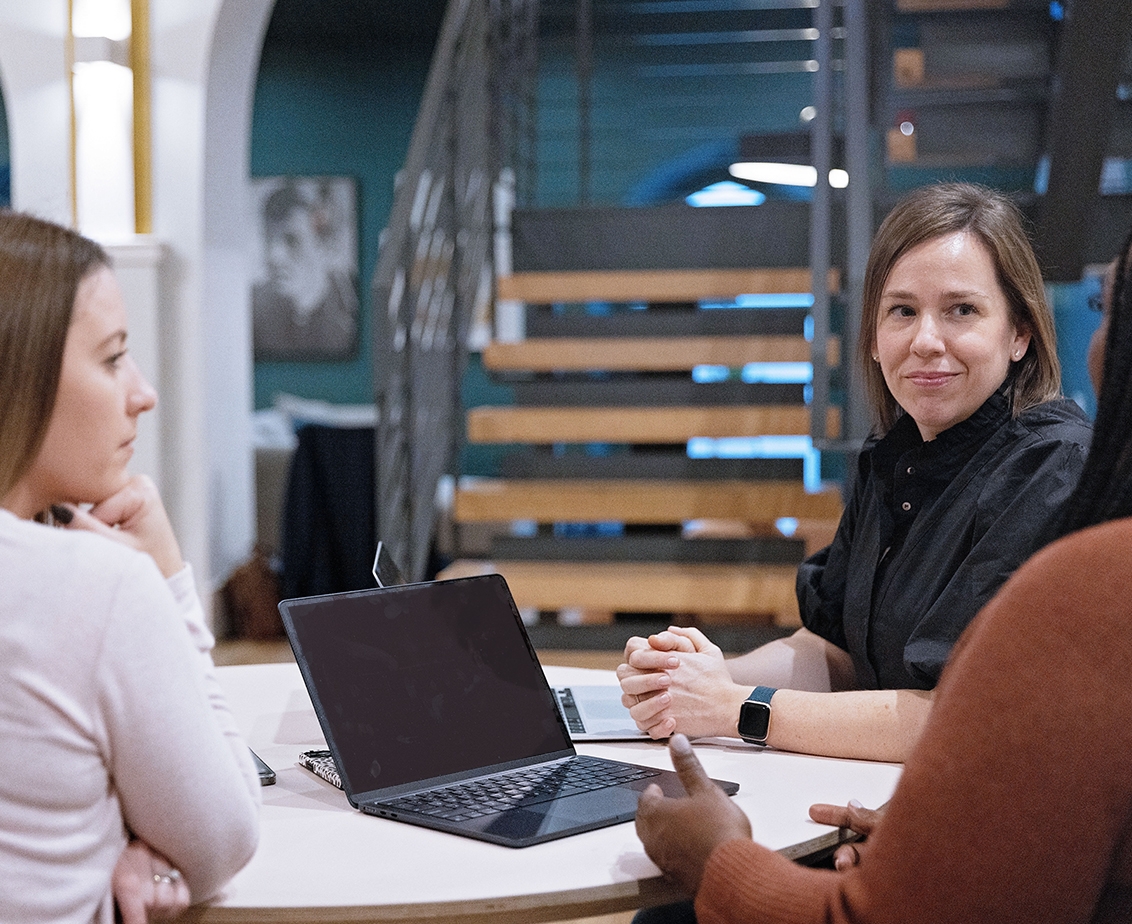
[
  {"x": 1015, "y": 805},
  {"x": 180, "y": 768}
]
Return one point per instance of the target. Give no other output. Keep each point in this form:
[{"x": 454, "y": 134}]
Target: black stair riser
[
  {"x": 545, "y": 321},
  {"x": 652, "y": 392},
  {"x": 662, "y": 465},
  {"x": 673, "y": 549}
]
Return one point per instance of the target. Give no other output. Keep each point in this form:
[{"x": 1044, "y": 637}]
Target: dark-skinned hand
[
  {"x": 680, "y": 834},
  {"x": 857, "y": 819}
]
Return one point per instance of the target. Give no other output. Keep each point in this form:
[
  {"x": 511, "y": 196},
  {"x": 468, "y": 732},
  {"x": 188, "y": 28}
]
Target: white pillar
[{"x": 138, "y": 265}]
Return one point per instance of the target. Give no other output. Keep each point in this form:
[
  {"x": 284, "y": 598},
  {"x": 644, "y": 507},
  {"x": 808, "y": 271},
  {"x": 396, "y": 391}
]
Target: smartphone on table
[{"x": 266, "y": 774}]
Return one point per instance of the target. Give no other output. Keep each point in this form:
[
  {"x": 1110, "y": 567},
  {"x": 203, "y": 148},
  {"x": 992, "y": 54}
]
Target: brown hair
[
  {"x": 947, "y": 208},
  {"x": 41, "y": 267}
]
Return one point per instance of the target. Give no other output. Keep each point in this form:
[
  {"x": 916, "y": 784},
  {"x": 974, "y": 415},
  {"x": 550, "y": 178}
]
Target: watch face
[{"x": 754, "y": 720}]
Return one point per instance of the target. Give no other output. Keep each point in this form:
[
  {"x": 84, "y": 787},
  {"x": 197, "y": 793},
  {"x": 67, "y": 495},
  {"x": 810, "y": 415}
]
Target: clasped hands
[{"x": 677, "y": 681}]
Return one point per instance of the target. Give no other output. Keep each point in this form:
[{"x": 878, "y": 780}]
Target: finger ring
[
  {"x": 167, "y": 878},
  {"x": 638, "y": 697}
]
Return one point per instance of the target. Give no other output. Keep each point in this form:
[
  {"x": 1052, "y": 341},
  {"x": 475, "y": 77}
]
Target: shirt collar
[{"x": 952, "y": 449}]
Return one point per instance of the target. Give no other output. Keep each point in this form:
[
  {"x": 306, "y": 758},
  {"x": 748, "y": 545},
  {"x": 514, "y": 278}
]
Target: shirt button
[{"x": 905, "y": 506}]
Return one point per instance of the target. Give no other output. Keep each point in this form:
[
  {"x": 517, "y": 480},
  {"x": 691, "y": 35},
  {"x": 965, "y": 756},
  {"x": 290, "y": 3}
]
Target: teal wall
[
  {"x": 321, "y": 112},
  {"x": 1075, "y": 324}
]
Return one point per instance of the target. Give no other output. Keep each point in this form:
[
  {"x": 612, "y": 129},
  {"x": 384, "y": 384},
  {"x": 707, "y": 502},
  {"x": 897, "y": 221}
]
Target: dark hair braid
[{"x": 1105, "y": 489}]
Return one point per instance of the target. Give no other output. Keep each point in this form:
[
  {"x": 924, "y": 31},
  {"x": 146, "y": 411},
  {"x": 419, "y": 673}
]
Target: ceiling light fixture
[{"x": 786, "y": 174}]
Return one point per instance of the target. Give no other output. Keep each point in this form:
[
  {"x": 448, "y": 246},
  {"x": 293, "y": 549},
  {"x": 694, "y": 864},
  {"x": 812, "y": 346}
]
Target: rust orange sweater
[{"x": 1017, "y": 803}]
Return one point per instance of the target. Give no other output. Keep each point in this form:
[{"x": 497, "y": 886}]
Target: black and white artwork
[{"x": 305, "y": 296}]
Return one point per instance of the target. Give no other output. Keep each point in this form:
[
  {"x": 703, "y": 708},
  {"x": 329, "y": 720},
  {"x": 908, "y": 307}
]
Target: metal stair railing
[{"x": 434, "y": 268}]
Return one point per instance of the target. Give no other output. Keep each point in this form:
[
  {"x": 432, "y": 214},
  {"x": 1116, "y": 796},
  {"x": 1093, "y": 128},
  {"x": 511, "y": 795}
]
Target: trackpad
[
  {"x": 521, "y": 823},
  {"x": 593, "y": 809}
]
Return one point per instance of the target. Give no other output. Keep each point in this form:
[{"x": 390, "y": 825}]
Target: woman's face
[
  {"x": 90, "y": 437},
  {"x": 944, "y": 337}
]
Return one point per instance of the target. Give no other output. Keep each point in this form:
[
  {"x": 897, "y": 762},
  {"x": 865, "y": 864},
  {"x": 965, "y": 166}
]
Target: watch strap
[{"x": 762, "y": 694}]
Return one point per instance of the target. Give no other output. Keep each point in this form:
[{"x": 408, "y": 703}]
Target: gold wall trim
[
  {"x": 73, "y": 157},
  {"x": 143, "y": 145}
]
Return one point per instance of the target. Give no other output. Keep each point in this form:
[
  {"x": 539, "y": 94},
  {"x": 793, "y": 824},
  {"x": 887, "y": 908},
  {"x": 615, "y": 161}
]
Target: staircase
[{"x": 615, "y": 514}]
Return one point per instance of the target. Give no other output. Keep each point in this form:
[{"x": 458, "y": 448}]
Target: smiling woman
[
  {"x": 945, "y": 333},
  {"x": 973, "y": 454},
  {"x": 128, "y": 763},
  {"x": 974, "y": 237},
  {"x": 1015, "y": 805}
]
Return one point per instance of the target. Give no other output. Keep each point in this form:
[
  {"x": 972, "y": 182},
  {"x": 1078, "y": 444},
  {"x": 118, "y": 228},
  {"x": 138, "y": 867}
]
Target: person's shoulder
[
  {"x": 1060, "y": 420},
  {"x": 1088, "y": 568},
  {"x": 78, "y": 558},
  {"x": 1105, "y": 545},
  {"x": 70, "y": 588}
]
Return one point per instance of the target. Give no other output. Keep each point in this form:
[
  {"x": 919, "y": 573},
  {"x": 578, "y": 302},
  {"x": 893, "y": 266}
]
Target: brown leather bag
[{"x": 251, "y": 598}]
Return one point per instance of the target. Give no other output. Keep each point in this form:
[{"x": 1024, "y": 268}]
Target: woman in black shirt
[{"x": 975, "y": 452}]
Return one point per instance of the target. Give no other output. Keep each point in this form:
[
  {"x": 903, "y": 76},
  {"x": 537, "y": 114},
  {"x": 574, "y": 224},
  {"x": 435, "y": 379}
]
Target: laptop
[
  {"x": 595, "y": 713},
  {"x": 437, "y": 713},
  {"x": 592, "y": 713}
]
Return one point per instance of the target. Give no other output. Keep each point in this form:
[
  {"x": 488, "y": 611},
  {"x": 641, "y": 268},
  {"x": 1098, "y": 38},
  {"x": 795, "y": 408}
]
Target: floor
[{"x": 243, "y": 651}]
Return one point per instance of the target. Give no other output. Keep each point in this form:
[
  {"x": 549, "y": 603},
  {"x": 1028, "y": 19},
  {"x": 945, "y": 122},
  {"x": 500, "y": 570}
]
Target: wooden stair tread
[
  {"x": 669, "y": 285},
  {"x": 636, "y": 424},
  {"x": 643, "y": 354},
  {"x": 646, "y": 502},
  {"x": 732, "y": 590}
]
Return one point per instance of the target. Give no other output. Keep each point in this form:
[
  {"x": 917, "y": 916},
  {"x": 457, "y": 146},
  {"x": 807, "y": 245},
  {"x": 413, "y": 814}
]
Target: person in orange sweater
[{"x": 1016, "y": 803}]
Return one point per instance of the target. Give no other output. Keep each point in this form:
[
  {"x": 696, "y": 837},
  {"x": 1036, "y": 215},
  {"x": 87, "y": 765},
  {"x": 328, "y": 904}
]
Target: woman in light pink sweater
[{"x": 121, "y": 769}]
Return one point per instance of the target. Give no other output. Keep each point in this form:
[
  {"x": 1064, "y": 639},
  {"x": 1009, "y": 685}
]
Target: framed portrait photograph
[{"x": 305, "y": 294}]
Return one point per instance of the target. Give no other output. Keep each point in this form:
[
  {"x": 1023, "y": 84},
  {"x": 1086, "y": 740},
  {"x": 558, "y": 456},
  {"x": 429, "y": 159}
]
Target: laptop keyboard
[
  {"x": 514, "y": 788},
  {"x": 570, "y": 712}
]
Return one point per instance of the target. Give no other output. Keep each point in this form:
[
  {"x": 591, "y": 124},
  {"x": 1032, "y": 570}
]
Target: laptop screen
[{"x": 420, "y": 681}]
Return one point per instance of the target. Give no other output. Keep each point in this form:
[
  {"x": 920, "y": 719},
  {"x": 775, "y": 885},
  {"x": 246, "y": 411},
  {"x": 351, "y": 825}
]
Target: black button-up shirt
[{"x": 933, "y": 530}]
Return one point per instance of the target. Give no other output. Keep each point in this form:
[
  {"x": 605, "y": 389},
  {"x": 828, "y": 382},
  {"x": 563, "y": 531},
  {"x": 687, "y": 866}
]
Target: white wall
[
  {"x": 229, "y": 230},
  {"x": 138, "y": 265},
  {"x": 32, "y": 71},
  {"x": 205, "y": 54}
]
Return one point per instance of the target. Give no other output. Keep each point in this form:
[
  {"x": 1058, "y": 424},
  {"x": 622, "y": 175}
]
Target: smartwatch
[{"x": 754, "y": 715}]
